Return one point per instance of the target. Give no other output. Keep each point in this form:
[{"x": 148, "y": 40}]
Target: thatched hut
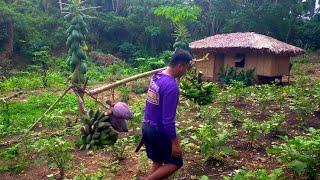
[{"x": 269, "y": 57}]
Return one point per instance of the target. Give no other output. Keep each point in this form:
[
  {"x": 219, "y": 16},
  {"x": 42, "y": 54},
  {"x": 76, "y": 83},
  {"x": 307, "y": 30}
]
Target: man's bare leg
[
  {"x": 155, "y": 166},
  {"x": 163, "y": 172}
]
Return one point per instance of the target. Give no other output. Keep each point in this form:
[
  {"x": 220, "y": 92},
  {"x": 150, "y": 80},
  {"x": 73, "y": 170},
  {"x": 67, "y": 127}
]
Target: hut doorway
[{"x": 218, "y": 65}]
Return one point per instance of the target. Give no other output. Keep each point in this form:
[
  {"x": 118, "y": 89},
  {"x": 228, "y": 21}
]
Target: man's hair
[{"x": 180, "y": 56}]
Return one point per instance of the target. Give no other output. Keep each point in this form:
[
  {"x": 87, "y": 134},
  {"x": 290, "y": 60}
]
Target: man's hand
[{"x": 176, "y": 148}]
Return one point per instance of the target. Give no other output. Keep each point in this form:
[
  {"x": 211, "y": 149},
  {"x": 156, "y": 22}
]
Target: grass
[{"x": 23, "y": 114}]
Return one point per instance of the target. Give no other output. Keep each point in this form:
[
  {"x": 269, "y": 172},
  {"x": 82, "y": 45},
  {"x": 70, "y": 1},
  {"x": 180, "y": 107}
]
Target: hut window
[{"x": 240, "y": 60}]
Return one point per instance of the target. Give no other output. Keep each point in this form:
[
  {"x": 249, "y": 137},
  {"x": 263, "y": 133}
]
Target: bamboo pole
[{"x": 123, "y": 81}]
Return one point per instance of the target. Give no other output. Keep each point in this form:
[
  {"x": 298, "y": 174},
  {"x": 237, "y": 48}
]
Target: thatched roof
[{"x": 245, "y": 42}]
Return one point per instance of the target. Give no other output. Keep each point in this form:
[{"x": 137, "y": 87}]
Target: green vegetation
[
  {"x": 300, "y": 153},
  {"x": 56, "y": 151},
  {"x": 261, "y": 174},
  {"x": 214, "y": 123},
  {"x": 193, "y": 88}
]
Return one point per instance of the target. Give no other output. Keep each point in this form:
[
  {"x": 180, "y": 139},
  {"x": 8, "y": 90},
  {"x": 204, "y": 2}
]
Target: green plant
[
  {"x": 99, "y": 175},
  {"x": 56, "y": 151},
  {"x": 182, "y": 36},
  {"x": 253, "y": 128},
  {"x": 301, "y": 153},
  {"x": 214, "y": 142},
  {"x": 120, "y": 148},
  {"x": 143, "y": 162},
  {"x": 96, "y": 131},
  {"x": 113, "y": 167},
  {"x": 193, "y": 88},
  {"x": 124, "y": 93},
  {"x": 231, "y": 74},
  {"x": 11, "y": 152},
  {"x": 260, "y": 174},
  {"x": 41, "y": 58},
  {"x": 180, "y": 15},
  {"x": 139, "y": 87},
  {"x": 209, "y": 114},
  {"x": 236, "y": 114},
  {"x": 273, "y": 123}
]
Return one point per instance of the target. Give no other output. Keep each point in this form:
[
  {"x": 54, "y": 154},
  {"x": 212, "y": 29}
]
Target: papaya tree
[
  {"x": 180, "y": 15},
  {"x": 77, "y": 60}
]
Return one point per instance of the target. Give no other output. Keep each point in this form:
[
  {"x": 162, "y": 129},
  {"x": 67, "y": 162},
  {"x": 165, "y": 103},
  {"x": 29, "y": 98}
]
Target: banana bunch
[{"x": 97, "y": 131}]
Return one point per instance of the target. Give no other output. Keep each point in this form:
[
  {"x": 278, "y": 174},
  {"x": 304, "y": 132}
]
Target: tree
[
  {"x": 180, "y": 15},
  {"x": 77, "y": 32},
  {"x": 6, "y": 18}
]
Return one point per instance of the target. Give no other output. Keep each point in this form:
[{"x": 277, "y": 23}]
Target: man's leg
[
  {"x": 163, "y": 172},
  {"x": 155, "y": 166}
]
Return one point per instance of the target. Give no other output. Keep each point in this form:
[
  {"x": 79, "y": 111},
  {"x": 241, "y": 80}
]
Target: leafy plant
[
  {"x": 120, "y": 148},
  {"x": 301, "y": 153},
  {"x": 193, "y": 88},
  {"x": 253, "y": 128},
  {"x": 41, "y": 57},
  {"x": 99, "y": 175},
  {"x": 180, "y": 15},
  {"x": 260, "y": 174},
  {"x": 56, "y": 151},
  {"x": 214, "y": 142},
  {"x": 124, "y": 93},
  {"x": 231, "y": 74}
]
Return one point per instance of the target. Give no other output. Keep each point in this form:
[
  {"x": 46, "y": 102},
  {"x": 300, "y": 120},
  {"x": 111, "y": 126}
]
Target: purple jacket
[{"x": 161, "y": 104}]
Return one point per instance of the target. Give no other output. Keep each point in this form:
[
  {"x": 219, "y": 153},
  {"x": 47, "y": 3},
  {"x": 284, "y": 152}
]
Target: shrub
[
  {"x": 56, "y": 151},
  {"x": 301, "y": 153},
  {"x": 194, "y": 89},
  {"x": 231, "y": 74}
]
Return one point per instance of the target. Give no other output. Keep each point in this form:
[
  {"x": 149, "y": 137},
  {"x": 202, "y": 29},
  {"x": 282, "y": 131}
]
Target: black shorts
[{"x": 159, "y": 147}]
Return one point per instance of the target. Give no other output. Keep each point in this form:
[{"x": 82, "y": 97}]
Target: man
[{"x": 159, "y": 131}]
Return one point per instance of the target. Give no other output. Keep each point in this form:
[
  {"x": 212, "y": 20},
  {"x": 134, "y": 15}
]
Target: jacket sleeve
[{"x": 169, "y": 106}]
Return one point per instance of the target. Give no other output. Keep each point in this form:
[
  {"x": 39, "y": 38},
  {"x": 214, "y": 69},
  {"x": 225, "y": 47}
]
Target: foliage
[
  {"x": 213, "y": 142},
  {"x": 32, "y": 81},
  {"x": 254, "y": 128},
  {"x": 180, "y": 14},
  {"x": 260, "y": 174},
  {"x": 120, "y": 148},
  {"x": 41, "y": 57},
  {"x": 124, "y": 93},
  {"x": 139, "y": 87},
  {"x": 23, "y": 114},
  {"x": 99, "y": 175},
  {"x": 56, "y": 151},
  {"x": 300, "y": 153},
  {"x": 182, "y": 36},
  {"x": 231, "y": 74},
  {"x": 193, "y": 88}
]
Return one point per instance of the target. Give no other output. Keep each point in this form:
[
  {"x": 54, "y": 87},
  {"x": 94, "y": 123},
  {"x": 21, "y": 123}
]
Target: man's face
[{"x": 181, "y": 69}]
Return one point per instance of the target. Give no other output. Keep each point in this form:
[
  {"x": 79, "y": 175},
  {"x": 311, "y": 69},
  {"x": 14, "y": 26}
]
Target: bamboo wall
[{"x": 265, "y": 65}]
